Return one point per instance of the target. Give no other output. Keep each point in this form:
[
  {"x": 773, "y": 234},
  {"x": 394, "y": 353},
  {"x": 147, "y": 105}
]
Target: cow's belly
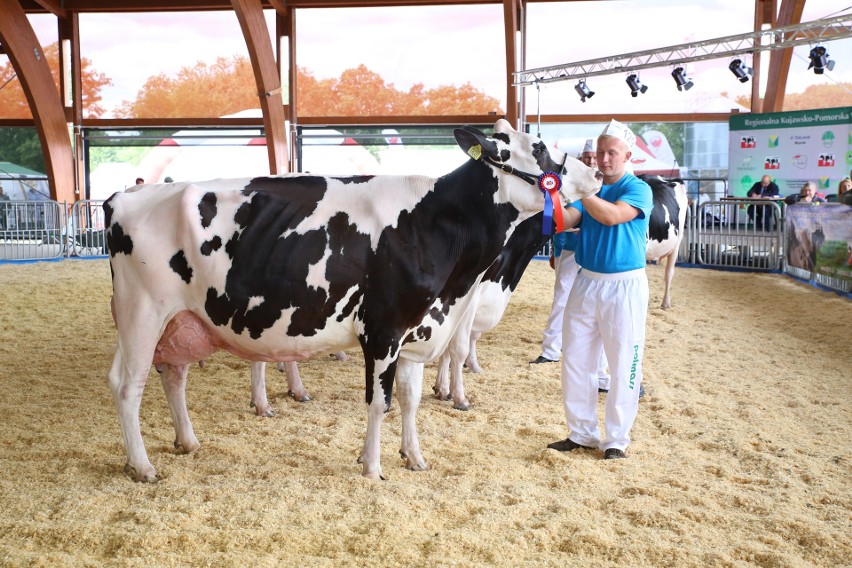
[
  {"x": 656, "y": 249},
  {"x": 187, "y": 338},
  {"x": 492, "y": 303}
]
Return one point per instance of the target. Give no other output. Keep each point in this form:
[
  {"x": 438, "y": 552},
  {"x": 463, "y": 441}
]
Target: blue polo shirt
[{"x": 621, "y": 247}]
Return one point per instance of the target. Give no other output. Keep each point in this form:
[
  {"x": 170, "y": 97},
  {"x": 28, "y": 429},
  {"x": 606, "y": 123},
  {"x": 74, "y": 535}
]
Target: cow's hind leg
[
  {"x": 472, "y": 362},
  {"x": 258, "y": 390},
  {"x": 671, "y": 260},
  {"x": 127, "y": 378},
  {"x": 295, "y": 388},
  {"x": 442, "y": 379},
  {"x": 409, "y": 377},
  {"x": 174, "y": 384}
]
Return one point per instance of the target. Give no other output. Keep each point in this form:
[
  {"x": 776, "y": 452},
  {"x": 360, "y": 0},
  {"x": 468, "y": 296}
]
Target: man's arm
[{"x": 607, "y": 213}]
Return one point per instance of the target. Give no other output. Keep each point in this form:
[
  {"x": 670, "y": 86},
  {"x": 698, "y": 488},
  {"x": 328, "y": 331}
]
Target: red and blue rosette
[{"x": 549, "y": 183}]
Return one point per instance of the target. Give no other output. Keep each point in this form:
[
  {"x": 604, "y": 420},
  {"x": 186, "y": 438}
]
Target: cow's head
[{"x": 519, "y": 159}]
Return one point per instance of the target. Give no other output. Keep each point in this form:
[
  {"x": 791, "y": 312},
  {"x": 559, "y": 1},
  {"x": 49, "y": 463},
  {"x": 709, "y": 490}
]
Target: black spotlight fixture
[
  {"x": 820, "y": 61},
  {"x": 635, "y": 85},
  {"x": 583, "y": 90},
  {"x": 740, "y": 71},
  {"x": 683, "y": 82}
]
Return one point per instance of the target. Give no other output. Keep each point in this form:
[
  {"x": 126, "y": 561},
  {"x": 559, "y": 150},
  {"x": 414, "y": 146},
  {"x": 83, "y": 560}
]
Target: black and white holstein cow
[
  {"x": 666, "y": 226},
  {"x": 283, "y": 268}
]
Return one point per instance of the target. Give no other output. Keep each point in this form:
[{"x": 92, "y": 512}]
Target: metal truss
[{"x": 783, "y": 37}]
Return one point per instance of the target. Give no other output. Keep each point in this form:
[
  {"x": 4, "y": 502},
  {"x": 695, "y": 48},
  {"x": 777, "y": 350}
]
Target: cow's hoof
[
  {"x": 149, "y": 475},
  {"x": 304, "y": 397},
  {"x": 462, "y": 405},
  {"x": 417, "y": 466},
  {"x": 475, "y": 369},
  {"x": 377, "y": 475},
  {"x": 188, "y": 448}
]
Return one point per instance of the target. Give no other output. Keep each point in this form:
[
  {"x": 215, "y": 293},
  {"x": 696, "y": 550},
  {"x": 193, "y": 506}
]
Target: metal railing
[
  {"x": 44, "y": 230},
  {"x": 719, "y": 234}
]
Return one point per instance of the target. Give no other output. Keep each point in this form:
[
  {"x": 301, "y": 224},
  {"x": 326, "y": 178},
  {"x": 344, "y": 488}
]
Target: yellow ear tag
[{"x": 475, "y": 152}]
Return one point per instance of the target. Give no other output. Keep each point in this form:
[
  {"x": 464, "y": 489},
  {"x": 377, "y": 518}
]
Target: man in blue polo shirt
[{"x": 608, "y": 302}]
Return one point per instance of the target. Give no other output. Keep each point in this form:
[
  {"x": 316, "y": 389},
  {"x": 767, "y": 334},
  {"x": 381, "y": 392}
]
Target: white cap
[
  {"x": 590, "y": 146},
  {"x": 618, "y": 130}
]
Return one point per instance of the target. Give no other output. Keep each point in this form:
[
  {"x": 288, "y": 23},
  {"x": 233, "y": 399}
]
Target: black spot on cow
[
  {"x": 117, "y": 241},
  {"x": 664, "y": 200},
  {"x": 501, "y": 136},
  {"x": 241, "y": 217},
  {"x": 180, "y": 266},
  {"x": 231, "y": 245},
  {"x": 218, "y": 307},
  {"x": 354, "y": 179},
  {"x": 207, "y": 209},
  {"x": 209, "y": 247}
]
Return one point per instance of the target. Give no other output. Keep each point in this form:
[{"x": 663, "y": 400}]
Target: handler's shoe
[
  {"x": 542, "y": 359},
  {"x": 614, "y": 454},
  {"x": 567, "y": 445}
]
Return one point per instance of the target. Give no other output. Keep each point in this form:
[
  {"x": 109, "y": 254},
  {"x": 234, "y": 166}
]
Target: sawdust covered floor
[{"x": 741, "y": 451}]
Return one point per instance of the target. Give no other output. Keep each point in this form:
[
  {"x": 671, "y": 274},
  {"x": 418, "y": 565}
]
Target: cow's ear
[{"x": 474, "y": 142}]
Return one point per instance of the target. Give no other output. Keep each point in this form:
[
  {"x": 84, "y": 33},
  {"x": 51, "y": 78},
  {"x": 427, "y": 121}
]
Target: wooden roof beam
[
  {"x": 250, "y": 15},
  {"x": 779, "y": 61},
  {"x": 54, "y": 7},
  {"x": 28, "y": 60}
]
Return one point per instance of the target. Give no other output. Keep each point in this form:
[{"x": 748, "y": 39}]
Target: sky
[{"x": 463, "y": 44}]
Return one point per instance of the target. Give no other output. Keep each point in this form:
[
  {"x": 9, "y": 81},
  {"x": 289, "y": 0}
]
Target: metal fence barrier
[
  {"x": 44, "y": 230},
  {"x": 28, "y": 230},
  {"x": 736, "y": 233}
]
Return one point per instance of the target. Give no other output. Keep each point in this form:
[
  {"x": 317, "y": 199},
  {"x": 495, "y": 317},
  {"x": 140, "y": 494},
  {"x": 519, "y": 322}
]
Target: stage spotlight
[
  {"x": 739, "y": 69},
  {"x": 683, "y": 82},
  {"x": 583, "y": 90},
  {"x": 635, "y": 85},
  {"x": 820, "y": 61}
]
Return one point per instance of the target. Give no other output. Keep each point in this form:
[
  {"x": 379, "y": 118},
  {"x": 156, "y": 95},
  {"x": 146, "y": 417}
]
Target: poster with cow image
[
  {"x": 792, "y": 148},
  {"x": 819, "y": 239}
]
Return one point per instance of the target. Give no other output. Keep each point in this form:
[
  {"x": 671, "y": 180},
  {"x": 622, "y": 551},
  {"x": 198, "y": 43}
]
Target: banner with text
[{"x": 792, "y": 148}]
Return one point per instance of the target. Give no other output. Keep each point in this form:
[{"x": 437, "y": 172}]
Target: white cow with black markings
[{"x": 283, "y": 268}]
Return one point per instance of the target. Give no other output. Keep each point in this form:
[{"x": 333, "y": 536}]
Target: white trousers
[
  {"x": 566, "y": 268},
  {"x": 608, "y": 310}
]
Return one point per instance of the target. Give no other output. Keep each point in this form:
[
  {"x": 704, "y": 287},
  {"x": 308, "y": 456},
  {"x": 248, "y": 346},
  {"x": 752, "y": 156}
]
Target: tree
[
  {"x": 814, "y": 97},
  {"x": 224, "y": 87},
  {"x": 13, "y": 103},
  {"x": 361, "y": 92}
]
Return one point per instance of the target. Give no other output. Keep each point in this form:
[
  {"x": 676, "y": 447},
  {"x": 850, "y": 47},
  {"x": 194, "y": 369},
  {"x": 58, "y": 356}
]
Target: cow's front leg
[
  {"x": 409, "y": 377},
  {"x": 174, "y": 384},
  {"x": 295, "y": 388},
  {"x": 380, "y": 377},
  {"x": 258, "y": 390}
]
